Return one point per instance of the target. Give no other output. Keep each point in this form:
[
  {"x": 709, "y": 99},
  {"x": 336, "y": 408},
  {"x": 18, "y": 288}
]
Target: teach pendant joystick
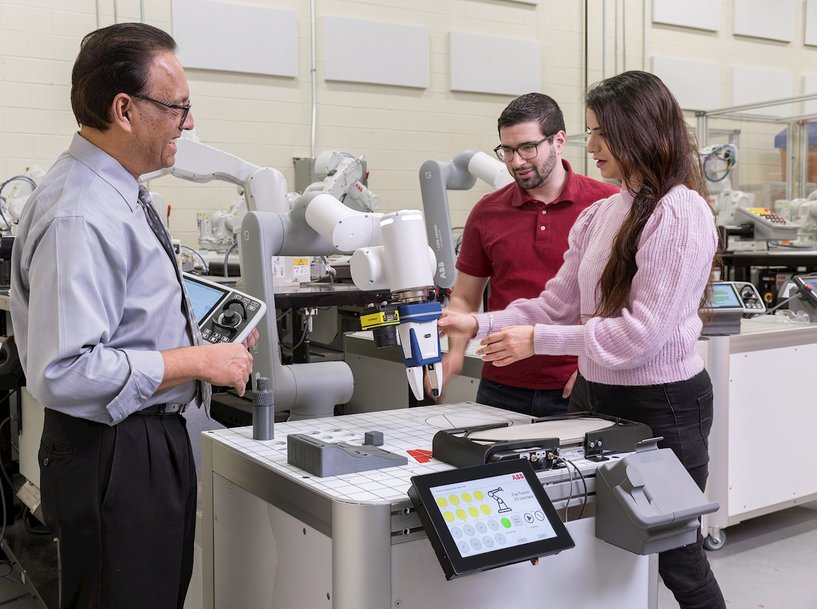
[{"x": 229, "y": 318}]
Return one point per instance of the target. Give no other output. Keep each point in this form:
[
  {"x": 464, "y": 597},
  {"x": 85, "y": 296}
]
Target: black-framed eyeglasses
[
  {"x": 184, "y": 108},
  {"x": 527, "y": 151}
]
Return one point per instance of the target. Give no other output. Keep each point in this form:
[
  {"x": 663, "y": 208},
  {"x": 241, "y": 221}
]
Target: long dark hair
[{"x": 645, "y": 131}]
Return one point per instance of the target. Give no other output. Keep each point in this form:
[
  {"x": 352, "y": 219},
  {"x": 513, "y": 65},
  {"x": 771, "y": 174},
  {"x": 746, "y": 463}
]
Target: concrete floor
[{"x": 767, "y": 563}]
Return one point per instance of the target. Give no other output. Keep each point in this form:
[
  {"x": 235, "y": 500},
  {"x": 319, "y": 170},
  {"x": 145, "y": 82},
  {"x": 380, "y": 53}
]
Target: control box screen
[
  {"x": 724, "y": 296},
  {"x": 488, "y": 513},
  {"x": 487, "y": 516}
]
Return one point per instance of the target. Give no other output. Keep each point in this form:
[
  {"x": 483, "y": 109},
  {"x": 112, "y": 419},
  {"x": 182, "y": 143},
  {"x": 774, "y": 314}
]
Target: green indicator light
[{"x": 506, "y": 523}]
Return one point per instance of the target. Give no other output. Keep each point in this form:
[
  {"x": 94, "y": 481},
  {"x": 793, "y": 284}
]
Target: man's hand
[
  {"x": 452, "y": 323},
  {"x": 569, "y": 384},
  {"x": 227, "y": 365},
  {"x": 507, "y": 346},
  {"x": 250, "y": 341}
]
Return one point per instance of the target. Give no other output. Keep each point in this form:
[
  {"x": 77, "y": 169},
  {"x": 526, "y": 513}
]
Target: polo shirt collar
[
  {"x": 568, "y": 195},
  {"x": 107, "y": 168}
]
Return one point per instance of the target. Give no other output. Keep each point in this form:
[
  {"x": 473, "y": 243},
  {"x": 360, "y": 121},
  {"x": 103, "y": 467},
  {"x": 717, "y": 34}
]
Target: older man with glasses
[
  {"x": 516, "y": 237},
  {"x": 106, "y": 335}
]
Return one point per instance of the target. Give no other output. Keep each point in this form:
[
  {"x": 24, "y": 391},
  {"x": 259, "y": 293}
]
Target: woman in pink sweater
[{"x": 626, "y": 299}]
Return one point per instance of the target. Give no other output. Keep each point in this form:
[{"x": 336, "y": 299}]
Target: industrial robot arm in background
[
  {"x": 342, "y": 176},
  {"x": 265, "y": 188},
  {"x": 318, "y": 224},
  {"x": 436, "y": 178},
  {"x": 307, "y": 390}
]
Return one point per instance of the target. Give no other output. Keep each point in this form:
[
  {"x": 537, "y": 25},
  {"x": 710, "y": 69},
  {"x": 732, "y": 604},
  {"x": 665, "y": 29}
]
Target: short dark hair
[
  {"x": 113, "y": 60},
  {"x": 533, "y": 107}
]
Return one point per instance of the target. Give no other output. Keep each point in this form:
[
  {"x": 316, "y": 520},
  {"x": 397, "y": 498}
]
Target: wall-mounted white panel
[
  {"x": 699, "y": 14},
  {"x": 750, "y": 85},
  {"x": 236, "y": 37},
  {"x": 811, "y": 22},
  {"x": 480, "y": 63},
  {"x": 695, "y": 84},
  {"x": 810, "y": 88},
  {"x": 375, "y": 52},
  {"x": 774, "y": 20}
]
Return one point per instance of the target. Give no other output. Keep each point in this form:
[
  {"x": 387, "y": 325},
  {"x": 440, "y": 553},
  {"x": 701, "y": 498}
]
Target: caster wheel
[{"x": 715, "y": 542}]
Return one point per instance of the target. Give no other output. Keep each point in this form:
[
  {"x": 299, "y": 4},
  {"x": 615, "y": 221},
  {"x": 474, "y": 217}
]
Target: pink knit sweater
[{"x": 653, "y": 339}]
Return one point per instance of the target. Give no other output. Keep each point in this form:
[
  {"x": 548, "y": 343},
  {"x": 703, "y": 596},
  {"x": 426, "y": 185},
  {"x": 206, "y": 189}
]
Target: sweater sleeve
[
  {"x": 559, "y": 302},
  {"x": 674, "y": 261}
]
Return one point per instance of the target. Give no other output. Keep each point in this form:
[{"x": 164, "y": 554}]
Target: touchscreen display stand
[
  {"x": 806, "y": 299},
  {"x": 224, "y": 314},
  {"x": 728, "y": 302},
  {"x": 487, "y": 516}
]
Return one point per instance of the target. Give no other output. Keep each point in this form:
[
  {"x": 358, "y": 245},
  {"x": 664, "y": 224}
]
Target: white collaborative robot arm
[
  {"x": 436, "y": 178},
  {"x": 265, "y": 188},
  {"x": 390, "y": 252}
]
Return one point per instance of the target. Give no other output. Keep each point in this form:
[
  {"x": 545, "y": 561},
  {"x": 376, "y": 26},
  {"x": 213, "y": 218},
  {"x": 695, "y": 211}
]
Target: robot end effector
[{"x": 404, "y": 265}]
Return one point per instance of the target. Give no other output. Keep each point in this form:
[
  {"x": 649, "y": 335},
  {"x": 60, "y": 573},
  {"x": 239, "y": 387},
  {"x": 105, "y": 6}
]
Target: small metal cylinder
[{"x": 263, "y": 411}]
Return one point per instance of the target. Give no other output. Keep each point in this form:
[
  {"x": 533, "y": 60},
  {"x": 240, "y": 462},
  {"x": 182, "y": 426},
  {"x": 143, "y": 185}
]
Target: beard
[{"x": 540, "y": 173}]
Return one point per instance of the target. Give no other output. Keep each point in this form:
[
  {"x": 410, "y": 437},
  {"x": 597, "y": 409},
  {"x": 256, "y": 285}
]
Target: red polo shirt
[{"x": 519, "y": 243}]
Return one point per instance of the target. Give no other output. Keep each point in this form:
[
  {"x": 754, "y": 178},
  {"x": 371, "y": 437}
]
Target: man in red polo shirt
[{"x": 516, "y": 237}]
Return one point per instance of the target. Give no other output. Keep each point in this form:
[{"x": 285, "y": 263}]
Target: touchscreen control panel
[
  {"x": 487, "y": 516},
  {"x": 736, "y": 295},
  {"x": 224, "y": 314}
]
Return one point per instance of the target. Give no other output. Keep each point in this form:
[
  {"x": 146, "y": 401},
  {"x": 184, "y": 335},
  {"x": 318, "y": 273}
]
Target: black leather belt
[{"x": 162, "y": 409}]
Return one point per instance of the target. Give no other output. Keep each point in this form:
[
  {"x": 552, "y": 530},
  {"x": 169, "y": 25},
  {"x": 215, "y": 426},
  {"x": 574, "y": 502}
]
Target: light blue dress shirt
[{"x": 94, "y": 296}]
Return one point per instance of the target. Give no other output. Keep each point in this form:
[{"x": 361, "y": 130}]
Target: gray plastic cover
[{"x": 647, "y": 502}]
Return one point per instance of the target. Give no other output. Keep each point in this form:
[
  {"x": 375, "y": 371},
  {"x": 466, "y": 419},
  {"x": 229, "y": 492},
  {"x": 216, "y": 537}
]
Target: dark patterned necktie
[{"x": 203, "y": 390}]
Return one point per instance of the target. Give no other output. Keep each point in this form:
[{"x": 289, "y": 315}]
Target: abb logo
[{"x": 517, "y": 476}]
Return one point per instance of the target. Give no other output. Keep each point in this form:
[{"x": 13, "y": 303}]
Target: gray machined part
[
  {"x": 263, "y": 409},
  {"x": 647, "y": 502},
  {"x": 436, "y": 178},
  {"x": 306, "y": 390},
  {"x": 325, "y": 459},
  {"x": 373, "y": 438}
]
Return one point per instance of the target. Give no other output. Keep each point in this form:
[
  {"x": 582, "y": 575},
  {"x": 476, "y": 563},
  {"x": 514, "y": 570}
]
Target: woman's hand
[
  {"x": 507, "y": 346},
  {"x": 457, "y": 324}
]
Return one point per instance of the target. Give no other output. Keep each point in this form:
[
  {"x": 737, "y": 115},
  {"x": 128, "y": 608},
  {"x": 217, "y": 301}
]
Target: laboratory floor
[{"x": 767, "y": 563}]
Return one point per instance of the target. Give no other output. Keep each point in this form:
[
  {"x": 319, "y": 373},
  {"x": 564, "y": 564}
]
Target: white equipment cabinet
[
  {"x": 759, "y": 462},
  {"x": 274, "y": 536}
]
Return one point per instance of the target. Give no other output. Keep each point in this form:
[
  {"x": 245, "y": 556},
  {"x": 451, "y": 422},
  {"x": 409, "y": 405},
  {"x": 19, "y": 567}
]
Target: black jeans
[
  {"x": 121, "y": 500},
  {"x": 535, "y": 402},
  {"x": 682, "y": 413}
]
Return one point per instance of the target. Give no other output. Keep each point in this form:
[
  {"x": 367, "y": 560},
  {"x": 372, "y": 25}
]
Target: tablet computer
[{"x": 487, "y": 516}]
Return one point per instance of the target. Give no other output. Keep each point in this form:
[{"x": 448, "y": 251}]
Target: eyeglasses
[
  {"x": 184, "y": 108},
  {"x": 527, "y": 151}
]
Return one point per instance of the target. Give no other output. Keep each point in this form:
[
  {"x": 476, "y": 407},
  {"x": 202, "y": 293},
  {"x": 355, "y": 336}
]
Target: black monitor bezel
[
  {"x": 225, "y": 292},
  {"x": 452, "y": 562}
]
